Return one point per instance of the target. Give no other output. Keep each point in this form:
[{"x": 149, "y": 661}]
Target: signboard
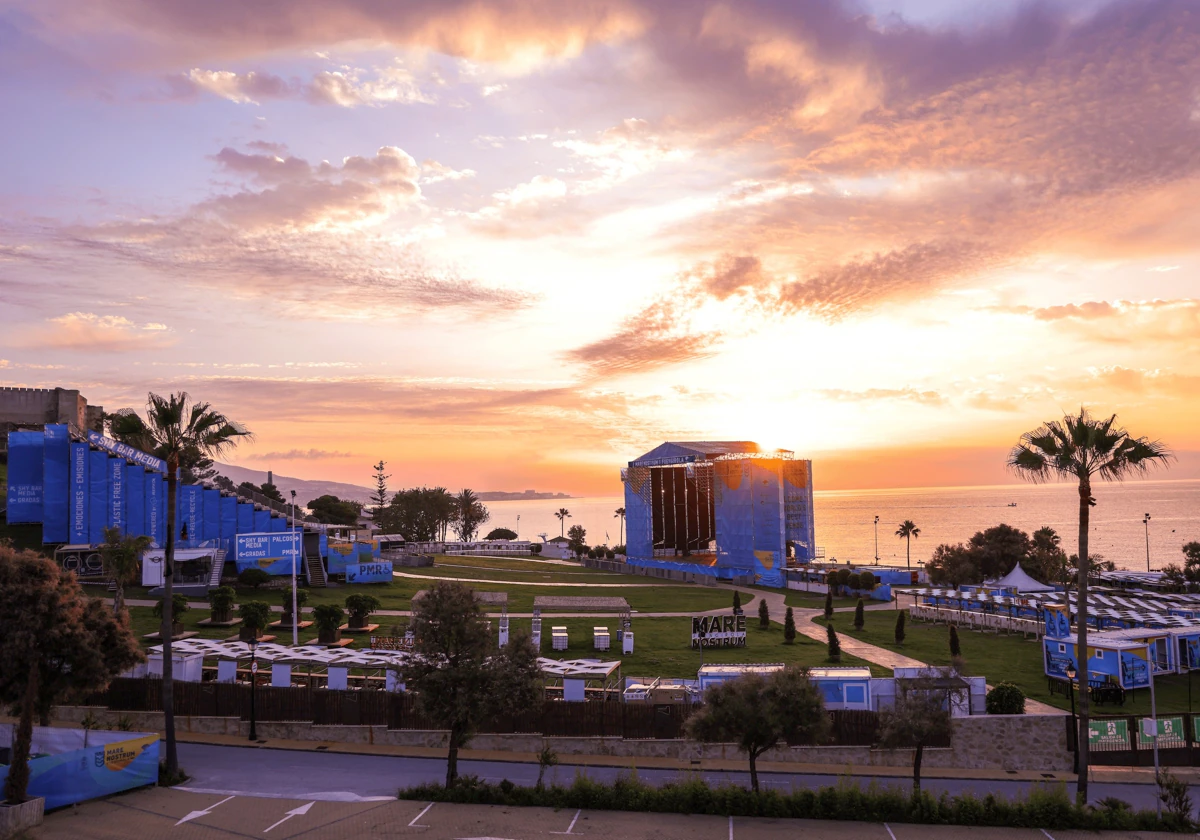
[
  {"x": 405, "y": 642},
  {"x": 1170, "y": 729},
  {"x": 25, "y": 456},
  {"x": 273, "y": 553},
  {"x": 719, "y": 631},
  {"x": 93, "y": 772},
  {"x": 1108, "y": 733},
  {"x": 121, "y": 450},
  {"x": 380, "y": 572}
]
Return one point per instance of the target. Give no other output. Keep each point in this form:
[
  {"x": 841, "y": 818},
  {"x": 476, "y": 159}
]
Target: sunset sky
[{"x": 516, "y": 244}]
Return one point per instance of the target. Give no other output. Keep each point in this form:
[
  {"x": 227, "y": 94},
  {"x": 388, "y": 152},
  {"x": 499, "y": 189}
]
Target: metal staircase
[
  {"x": 214, "y": 579},
  {"x": 315, "y": 571}
]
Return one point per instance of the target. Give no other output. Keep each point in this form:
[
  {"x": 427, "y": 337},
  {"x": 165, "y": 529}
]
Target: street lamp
[
  {"x": 1146, "y": 522},
  {"x": 876, "y": 540},
  {"x": 295, "y": 555},
  {"x": 1074, "y": 723},
  {"x": 253, "y": 683}
]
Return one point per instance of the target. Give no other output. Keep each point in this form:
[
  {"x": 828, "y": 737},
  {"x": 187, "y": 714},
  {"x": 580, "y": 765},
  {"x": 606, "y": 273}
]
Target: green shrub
[
  {"x": 1006, "y": 699},
  {"x": 179, "y": 606},
  {"x": 859, "y": 615},
  {"x": 285, "y": 599},
  {"x": 253, "y": 578},
  {"x": 329, "y": 617},
  {"x": 220, "y": 600},
  {"x": 360, "y": 606},
  {"x": 1044, "y": 807},
  {"x": 254, "y": 614},
  {"x": 536, "y": 548},
  {"x": 789, "y": 626}
]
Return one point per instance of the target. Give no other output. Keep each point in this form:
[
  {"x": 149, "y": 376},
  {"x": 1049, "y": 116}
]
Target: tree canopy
[
  {"x": 470, "y": 513},
  {"x": 421, "y": 514},
  {"x": 501, "y": 534},
  {"x": 756, "y": 712},
  {"x": 331, "y": 510},
  {"x": 994, "y": 552},
  {"x": 577, "y": 538}
]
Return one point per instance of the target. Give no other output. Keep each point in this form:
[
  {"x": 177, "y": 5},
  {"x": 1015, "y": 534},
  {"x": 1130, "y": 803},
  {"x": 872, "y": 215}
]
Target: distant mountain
[
  {"x": 306, "y": 491},
  {"x": 506, "y": 496}
]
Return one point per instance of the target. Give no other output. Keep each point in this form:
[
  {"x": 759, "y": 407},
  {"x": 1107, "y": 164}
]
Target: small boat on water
[{"x": 1012, "y": 504}]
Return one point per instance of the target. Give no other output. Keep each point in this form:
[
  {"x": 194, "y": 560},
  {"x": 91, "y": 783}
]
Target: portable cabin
[
  {"x": 843, "y": 688},
  {"x": 1110, "y": 660},
  {"x": 716, "y": 674}
]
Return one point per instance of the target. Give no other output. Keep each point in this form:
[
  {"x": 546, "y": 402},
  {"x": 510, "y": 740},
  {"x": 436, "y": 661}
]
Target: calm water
[{"x": 845, "y": 518}]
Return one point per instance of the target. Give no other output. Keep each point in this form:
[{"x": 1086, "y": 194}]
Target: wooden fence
[{"x": 398, "y": 710}]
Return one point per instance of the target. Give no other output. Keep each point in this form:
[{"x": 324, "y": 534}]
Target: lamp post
[
  {"x": 1074, "y": 722},
  {"x": 1146, "y": 522},
  {"x": 1153, "y": 716},
  {"x": 295, "y": 555},
  {"x": 253, "y": 683},
  {"x": 876, "y": 540}
]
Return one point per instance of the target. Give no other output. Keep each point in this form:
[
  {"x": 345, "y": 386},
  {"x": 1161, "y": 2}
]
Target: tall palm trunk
[
  {"x": 168, "y": 621},
  {"x": 908, "y": 549},
  {"x": 1081, "y": 649}
]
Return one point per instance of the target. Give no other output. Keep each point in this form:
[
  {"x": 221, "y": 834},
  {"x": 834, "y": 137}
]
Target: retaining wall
[{"x": 1004, "y": 742}]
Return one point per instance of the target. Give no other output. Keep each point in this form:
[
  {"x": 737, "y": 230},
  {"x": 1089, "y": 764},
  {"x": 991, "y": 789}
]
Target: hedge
[{"x": 1045, "y": 806}]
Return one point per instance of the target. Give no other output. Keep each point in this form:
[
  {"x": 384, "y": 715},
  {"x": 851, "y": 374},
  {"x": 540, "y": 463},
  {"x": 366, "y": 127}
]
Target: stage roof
[{"x": 678, "y": 452}]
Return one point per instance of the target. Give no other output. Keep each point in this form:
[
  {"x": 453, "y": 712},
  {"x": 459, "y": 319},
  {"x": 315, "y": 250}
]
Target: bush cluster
[{"x": 1046, "y": 806}]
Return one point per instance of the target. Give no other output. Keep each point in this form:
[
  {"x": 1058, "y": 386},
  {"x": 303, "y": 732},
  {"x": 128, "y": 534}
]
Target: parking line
[
  {"x": 731, "y": 827},
  {"x": 413, "y": 824},
  {"x": 1047, "y": 833},
  {"x": 572, "y": 825},
  {"x": 889, "y": 831}
]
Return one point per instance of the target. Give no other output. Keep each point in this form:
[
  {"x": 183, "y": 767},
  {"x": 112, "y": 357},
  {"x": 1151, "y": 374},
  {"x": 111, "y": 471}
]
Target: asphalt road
[{"x": 341, "y": 777}]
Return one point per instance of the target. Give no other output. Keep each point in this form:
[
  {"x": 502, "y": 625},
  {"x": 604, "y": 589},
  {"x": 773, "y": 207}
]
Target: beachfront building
[{"x": 726, "y": 509}]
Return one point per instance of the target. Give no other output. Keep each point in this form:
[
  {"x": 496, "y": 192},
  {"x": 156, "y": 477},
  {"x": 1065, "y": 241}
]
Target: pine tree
[
  {"x": 764, "y": 614},
  {"x": 789, "y": 626},
  {"x": 859, "y": 618},
  {"x": 955, "y": 649},
  {"x": 737, "y": 601},
  {"x": 835, "y": 647},
  {"x": 828, "y": 604},
  {"x": 900, "y": 628},
  {"x": 380, "y": 494}
]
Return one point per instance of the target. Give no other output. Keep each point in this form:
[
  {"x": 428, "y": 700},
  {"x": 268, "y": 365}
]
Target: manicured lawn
[
  {"x": 515, "y": 564},
  {"x": 662, "y": 646},
  {"x": 550, "y": 574},
  {"x": 813, "y": 601}
]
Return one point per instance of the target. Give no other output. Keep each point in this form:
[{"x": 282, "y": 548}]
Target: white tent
[{"x": 1017, "y": 579}]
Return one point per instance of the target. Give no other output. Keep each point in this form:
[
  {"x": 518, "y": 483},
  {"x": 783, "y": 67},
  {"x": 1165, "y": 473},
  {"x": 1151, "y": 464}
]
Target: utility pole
[
  {"x": 295, "y": 561},
  {"x": 1146, "y": 522},
  {"x": 876, "y": 540}
]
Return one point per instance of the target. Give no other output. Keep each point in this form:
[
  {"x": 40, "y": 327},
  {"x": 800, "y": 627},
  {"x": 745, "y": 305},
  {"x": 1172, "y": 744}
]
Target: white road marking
[
  {"x": 413, "y": 824},
  {"x": 889, "y": 831},
  {"x": 194, "y": 814},
  {"x": 319, "y": 796},
  {"x": 572, "y": 825},
  {"x": 731, "y": 828},
  {"x": 1047, "y": 833},
  {"x": 295, "y": 812}
]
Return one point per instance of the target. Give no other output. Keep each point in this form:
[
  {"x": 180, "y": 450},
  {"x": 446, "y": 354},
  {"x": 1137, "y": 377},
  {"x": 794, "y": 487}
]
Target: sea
[{"x": 845, "y": 519}]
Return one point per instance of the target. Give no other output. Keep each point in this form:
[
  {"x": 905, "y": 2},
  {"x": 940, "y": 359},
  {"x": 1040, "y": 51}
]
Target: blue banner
[
  {"x": 116, "y": 493},
  {"x": 92, "y": 772},
  {"x": 212, "y": 515},
  {"x": 245, "y": 518},
  {"x": 191, "y": 513},
  {"x": 135, "y": 500},
  {"x": 278, "y": 524},
  {"x": 262, "y": 521},
  {"x": 97, "y": 496},
  {"x": 156, "y": 494},
  {"x": 342, "y": 555},
  {"x": 79, "y": 494},
  {"x": 379, "y": 572},
  {"x": 125, "y": 452},
  {"x": 273, "y": 553},
  {"x": 228, "y": 521},
  {"x": 25, "y": 477},
  {"x": 56, "y": 478}
]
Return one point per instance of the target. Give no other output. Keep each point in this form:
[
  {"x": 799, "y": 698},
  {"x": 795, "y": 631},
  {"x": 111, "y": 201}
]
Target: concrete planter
[{"x": 16, "y": 818}]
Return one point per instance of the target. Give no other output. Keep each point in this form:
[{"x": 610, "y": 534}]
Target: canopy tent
[{"x": 1017, "y": 579}]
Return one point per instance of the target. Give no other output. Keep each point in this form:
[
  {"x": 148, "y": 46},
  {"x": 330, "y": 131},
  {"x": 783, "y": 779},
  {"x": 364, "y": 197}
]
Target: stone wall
[
  {"x": 995, "y": 742},
  {"x": 38, "y": 406}
]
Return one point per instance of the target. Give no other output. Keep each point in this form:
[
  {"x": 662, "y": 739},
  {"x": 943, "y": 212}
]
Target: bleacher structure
[{"x": 75, "y": 483}]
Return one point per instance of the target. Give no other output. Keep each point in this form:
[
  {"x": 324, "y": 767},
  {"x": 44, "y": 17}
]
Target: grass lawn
[
  {"x": 549, "y": 574},
  {"x": 515, "y": 564}
]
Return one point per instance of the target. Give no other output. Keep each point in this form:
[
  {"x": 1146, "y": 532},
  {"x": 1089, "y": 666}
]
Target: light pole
[
  {"x": 1146, "y": 522},
  {"x": 253, "y": 683},
  {"x": 1074, "y": 722},
  {"x": 1153, "y": 716},
  {"x": 295, "y": 555},
  {"x": 876, "y": 540}
]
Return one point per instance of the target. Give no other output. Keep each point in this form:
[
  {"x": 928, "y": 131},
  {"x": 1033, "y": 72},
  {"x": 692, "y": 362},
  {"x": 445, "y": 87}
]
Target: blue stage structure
[{"x": 727, "y": 509}]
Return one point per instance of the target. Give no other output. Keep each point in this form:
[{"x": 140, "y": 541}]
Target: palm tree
[
  {"x": 120, "y": 556},
  {"x": 176, "y": 428},
  {"x": 563, "y": 515},
  {"x": 1080, "y": 448},
  {"x": 620, "y": 513},
  {"x": 907, "y": 530}
]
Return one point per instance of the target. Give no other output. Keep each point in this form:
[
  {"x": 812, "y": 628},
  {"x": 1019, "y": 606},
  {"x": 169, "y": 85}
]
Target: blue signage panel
[
  {"x": 116, "y": 493},
  {"x": 56, "y": 478},
  {"x": 97, "y": 497},
  {"x": 128, "y": 453},
  {"x": 245, "y": 518},
  {"x": 191, "y": 513},
  {"x": 79, "y": 494},
  {"x": 25, "y": 477},
  {"x": 93, "y": 772},
  {"x": 378, "y": 572},
  {"x": 212, "y": 515},
  {"x": 228, "y": 521},
  {"x": 135, "y": 500},
  {"x": 273, "y": 553},
  {"x": 278, "y": 523},
  {"x": 156, "y": 506},
  {"x": 262, "y": 521}
]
